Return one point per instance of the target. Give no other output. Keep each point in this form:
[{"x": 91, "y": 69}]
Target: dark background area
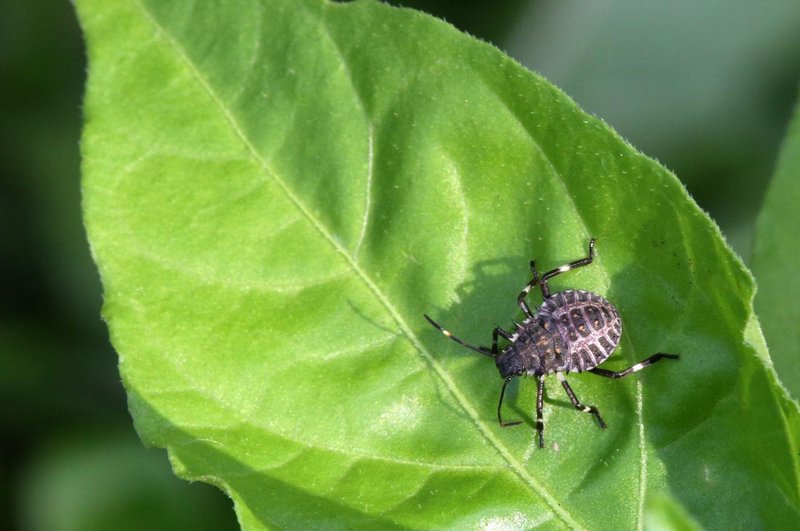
[{"x": 707, "y": 89}]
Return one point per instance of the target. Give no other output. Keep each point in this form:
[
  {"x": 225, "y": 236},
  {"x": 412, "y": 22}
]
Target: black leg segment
[
  {"x": 499, "y": 332},
  {"x": 635, "y": 368},
  {"x": 539, "y": 402},
  {"x": 563, "y": 269},
  {"x": 500, "y": 405},
  {"x": 575, "y": 402},
  {"x": 524, "y": 293},
  {"x": 482, "y": 350}
]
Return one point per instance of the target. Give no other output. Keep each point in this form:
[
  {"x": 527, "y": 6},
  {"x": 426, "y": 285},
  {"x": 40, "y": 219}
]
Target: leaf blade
[{"x": 297, "y": 283}]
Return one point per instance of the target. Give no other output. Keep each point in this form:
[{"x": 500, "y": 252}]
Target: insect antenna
[{"x": 480, "y": 350}]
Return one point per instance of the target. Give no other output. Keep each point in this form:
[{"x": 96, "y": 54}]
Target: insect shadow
[{"x": 481, "y": 303}]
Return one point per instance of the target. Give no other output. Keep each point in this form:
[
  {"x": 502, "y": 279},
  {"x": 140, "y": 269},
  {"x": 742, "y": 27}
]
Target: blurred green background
[{"x": 705, "y": 87}]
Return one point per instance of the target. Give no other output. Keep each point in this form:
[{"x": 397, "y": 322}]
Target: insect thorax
[{"x": 572, "y": 331}]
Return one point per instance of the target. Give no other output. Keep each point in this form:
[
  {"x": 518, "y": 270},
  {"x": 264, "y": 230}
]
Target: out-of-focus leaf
[
  {"x": 276, "y": 191},
  {"x": 105, "y": 481},
  {"x": 775, "y": 258}
]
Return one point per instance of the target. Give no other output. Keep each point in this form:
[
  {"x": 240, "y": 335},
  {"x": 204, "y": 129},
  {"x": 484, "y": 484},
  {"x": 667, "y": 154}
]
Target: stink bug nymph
[{"x": 572, "y": 331}]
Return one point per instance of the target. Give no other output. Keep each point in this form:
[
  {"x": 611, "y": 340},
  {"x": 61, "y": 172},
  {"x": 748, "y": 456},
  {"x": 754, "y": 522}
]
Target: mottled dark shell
[{"x": 572, "y": 331}]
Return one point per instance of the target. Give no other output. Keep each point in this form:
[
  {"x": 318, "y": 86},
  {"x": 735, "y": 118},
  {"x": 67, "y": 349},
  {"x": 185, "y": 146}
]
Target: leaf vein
[{"x": 368, "y": 191}]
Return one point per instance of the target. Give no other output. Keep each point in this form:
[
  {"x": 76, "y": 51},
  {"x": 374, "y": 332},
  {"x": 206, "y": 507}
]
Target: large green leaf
[
  {"x": 275, "y": 191},
  {"x": 775, "y": 259}
]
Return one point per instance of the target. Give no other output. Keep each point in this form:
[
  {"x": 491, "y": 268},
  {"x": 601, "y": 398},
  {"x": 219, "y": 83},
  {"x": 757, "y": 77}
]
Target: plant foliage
[{"x": 275, "y": 191}]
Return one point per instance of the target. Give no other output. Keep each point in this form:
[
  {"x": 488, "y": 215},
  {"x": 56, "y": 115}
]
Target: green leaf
[
  {"x": 662, "y": 512},
  {"x": 276, "y": 191},
  {"x": 775, "y": 258}
]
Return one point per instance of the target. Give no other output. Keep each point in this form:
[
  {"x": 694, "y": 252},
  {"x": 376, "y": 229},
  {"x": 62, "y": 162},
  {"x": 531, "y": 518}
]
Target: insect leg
[
  {"x": 575, "y": 402},
  {"x": 481, "y": 350},
  {"x": 500, "y": 404},
  {"x": 564, "y": 268},
  {"x": 638, "y": 367},
  {"x": 499, "y": 332},
  {"x": 539, "y": 418},
  {"x": 524, "y": 293}
]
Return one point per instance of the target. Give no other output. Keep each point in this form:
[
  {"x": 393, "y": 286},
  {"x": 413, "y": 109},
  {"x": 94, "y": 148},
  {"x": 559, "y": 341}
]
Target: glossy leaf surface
[{"x": 276, "y": 191}]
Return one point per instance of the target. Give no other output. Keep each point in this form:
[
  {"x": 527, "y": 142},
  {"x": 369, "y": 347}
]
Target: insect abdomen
[{"x": 589, "y": 325}]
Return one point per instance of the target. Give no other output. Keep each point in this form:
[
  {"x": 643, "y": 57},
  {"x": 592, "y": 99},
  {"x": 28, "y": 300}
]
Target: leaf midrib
[{"x": 515, "y": 465}]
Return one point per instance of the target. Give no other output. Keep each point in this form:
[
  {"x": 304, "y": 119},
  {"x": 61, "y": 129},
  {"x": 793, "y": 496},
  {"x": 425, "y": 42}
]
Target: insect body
[{"x": 572, "y": 331}]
